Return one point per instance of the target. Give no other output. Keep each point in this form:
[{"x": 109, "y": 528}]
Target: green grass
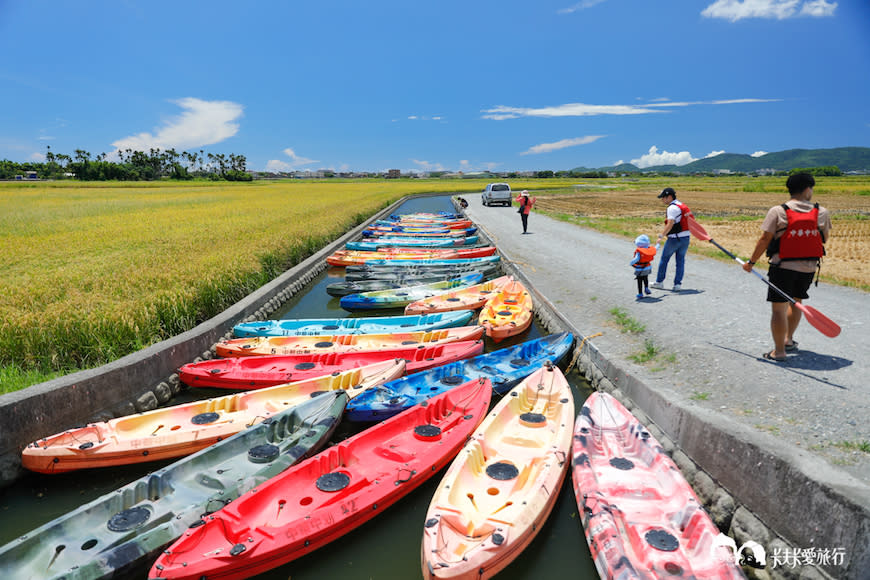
[
  {"x": 626, "y": 323},
  {"x": 700, "y": 396},
  {"x": 862, "y": 446},
  {"x": 649, "y": 352}
]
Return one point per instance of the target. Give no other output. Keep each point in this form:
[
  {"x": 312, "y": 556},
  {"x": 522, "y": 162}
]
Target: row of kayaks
[{"x": 257, "y": 486}]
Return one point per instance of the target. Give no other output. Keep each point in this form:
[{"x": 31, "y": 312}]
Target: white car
[{"x": 496, "y": 193}]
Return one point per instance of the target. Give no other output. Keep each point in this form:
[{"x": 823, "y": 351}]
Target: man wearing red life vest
[
  {"x": 793, "y": 236},
  {"x": 676, "y": 232}
]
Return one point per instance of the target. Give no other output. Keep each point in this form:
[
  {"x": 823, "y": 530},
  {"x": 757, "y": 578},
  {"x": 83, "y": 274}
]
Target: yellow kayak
[
  {"x": 183, "y": 429},
  {"x": 508, "y": 313},
  {"x": 501, "y": 488},
  {"x": 260, "y": 345},
  {"x": 468, "y": 298}
]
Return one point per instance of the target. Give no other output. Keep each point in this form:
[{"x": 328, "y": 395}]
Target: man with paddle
[{"x": 793, "y": 235}]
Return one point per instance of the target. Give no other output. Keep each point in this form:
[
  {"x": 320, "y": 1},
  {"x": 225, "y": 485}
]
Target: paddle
[{"x": 822, "y": 323}]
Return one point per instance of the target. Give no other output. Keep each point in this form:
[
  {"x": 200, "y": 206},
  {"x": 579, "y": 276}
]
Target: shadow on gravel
[
  {"x": 809, "y": 360},
  {"x": 803, "y": 360}
]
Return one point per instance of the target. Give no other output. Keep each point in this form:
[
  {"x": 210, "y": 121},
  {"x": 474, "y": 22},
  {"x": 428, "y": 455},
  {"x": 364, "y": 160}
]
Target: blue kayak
[
  {"x": 371, "y": 325},
  {"x": 505, "y": 368}
]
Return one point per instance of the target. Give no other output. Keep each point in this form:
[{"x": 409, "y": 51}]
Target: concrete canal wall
[{"x": 699, "y": 445}]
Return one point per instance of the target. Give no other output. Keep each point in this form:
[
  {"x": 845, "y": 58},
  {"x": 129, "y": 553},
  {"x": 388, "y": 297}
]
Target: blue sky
[{"x": 481, "y": 84}]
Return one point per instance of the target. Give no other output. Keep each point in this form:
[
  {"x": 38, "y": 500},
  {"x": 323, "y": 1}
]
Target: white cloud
[
  {"x": 759, "y": 154},
  {"x": 654, "y": 157},
  {"x": 37, "y": 157},
  {"x": 502, "y": 112},
  {"x": 295, "y": 162},
  {"x": 548, "y": 147},
  {"x": 584, "y": 4},
  {"x": 735, "y": 10},
  {"x": 428, "y": 166},
  {"x": 818, "y": 8},
  {"x": 713, "y": 154},
  {"x": 201, "y": 123}
]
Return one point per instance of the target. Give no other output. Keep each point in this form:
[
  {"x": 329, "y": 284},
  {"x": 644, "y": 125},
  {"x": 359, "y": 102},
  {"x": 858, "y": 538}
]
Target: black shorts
[{"x": 793, "y": 283}]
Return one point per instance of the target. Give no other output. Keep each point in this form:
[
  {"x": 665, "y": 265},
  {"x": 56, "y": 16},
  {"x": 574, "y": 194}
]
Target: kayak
[
  {"x": 401, "y": 297},
  {"x": 374, "y": 244},
  {"x": 501, "y": 488},
  {"x": 424, "y": 222},
  {"x": 387, "y": 272},
  {"x": 346, "y": 257},
  {"x": 508, "y": 313},
  {"x": 503, "y": 368},
  {"x": 339, "y": 289},
  {"x": 376, "y": 263},
  {"x": 372, "y": 325},
  {"x": 183, "y": 429},
  {"x": 470, "y": 298},
  {"x": 122, "y": 531},
  {"x": 421, "y": 264},
  {"x": 328, "y": 495},
  {"x": 257, "y": 372},
  {"x": 470, "y": 231},
  {"x": 399, "y": 233},
  {"x": 641, "y": 517},
  {"x": 260, "y": 345}
]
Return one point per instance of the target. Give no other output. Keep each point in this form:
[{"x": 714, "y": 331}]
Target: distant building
[
  {"x": 31, "y": 175},
  {"x": 394, "y": 174}
]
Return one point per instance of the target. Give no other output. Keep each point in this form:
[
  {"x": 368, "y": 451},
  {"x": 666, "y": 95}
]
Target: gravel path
[{"x": 710, "y": 336}]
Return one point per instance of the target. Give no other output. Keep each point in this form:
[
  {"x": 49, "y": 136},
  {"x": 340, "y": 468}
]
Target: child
[{"x": 642, "y": 262}]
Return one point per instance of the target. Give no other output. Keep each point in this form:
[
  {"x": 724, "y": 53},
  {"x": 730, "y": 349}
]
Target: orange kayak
[
  {"x": 324, "y": 497},
  {"x": 508, "y": 313},
  {"x": 499, "y": 491},
  {"x": 641, "y": 517},
  {"x": 184, "y": 429},
  {"x": 260, "y": 345},
  {"x": 469, "y": 298}
]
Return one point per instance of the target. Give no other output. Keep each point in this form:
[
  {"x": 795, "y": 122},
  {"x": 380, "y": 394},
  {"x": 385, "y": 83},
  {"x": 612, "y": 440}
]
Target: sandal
[
  {"x": 791, "y": 347},
  {"x": 769, "y": 356}
]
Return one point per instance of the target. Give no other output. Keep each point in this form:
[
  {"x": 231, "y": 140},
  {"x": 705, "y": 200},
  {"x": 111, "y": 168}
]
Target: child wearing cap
[{"x": 642, "y": 262}]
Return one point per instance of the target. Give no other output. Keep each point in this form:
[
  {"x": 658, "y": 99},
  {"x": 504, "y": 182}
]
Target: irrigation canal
[{"x": 386, "y": 548}]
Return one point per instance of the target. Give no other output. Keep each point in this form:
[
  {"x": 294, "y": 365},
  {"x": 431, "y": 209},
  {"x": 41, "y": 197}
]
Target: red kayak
[
  {"x": 642, "y": 519},
  {"x": 256, "y": 372},
  {"x": 354, "y": 257},
  {"x": 330, "y": 494}
]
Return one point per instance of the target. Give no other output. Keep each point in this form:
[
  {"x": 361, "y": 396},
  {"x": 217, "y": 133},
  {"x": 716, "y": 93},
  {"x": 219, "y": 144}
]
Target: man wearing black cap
[{"x": 676, "y": 231}]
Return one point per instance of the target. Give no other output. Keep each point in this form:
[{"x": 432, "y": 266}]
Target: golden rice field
[
  {"x": 94, "y": 271},
  {"x": 730, "y": 209}
]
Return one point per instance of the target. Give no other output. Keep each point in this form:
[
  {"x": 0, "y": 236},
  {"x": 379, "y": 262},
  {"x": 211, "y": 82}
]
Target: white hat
[{"x": 525, "y": 192}]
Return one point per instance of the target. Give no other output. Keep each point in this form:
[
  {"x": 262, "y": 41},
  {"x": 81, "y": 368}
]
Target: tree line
[{"x": 133, "y": 166}]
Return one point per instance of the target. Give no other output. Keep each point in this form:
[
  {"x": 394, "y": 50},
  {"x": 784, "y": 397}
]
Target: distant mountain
[{"x": 846, "y": 158}]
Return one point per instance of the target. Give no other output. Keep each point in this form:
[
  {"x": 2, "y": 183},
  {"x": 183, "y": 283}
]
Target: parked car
[{"x": 496, "y": 193}]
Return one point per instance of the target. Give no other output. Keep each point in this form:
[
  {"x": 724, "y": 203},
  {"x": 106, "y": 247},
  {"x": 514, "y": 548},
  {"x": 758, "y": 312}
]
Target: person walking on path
[
  {"x": 642, "y": 262},
  {"x": 676, "y": 232},
  {"x": 525, "y": 207},
  {"x": 793, "y": 236}
]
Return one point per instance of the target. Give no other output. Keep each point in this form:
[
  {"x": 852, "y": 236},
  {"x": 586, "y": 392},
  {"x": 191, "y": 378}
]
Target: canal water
[{"x": 387, "y": 547}]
